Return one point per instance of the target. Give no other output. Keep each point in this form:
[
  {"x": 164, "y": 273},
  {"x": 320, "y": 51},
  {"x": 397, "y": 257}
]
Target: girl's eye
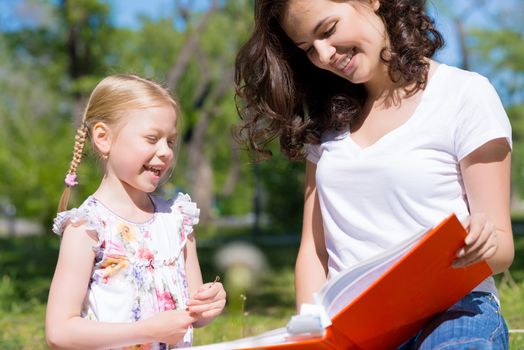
[
  {"x": 152, "y": 139},
  {"x": 171, "y": 143}
]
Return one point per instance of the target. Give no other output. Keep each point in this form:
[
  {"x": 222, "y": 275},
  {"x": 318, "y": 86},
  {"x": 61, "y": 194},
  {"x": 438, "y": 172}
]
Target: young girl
[
  {"x": 394, "y": 143},
  {"x": 128, "y": 271}
]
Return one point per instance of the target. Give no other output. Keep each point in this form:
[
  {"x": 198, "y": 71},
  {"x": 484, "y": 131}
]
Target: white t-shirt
[{"x": 409, "y": 180}]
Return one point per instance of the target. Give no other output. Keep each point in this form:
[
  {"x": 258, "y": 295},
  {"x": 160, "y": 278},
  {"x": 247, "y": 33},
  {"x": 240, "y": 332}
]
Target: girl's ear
[
  {"x": 375, "y": 4},
  {"x": 102, "y": 137}
]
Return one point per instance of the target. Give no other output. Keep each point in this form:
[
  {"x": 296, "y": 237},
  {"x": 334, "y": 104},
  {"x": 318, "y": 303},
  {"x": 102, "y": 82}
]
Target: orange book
[{"x": 382, "y": 302}]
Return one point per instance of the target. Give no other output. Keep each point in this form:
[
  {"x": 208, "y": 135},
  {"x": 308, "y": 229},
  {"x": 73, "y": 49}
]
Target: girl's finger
[
  {"x": 202, "y": 299},
  {"x": 199, "y": 309},
  {"x": 209, "y": 291}
]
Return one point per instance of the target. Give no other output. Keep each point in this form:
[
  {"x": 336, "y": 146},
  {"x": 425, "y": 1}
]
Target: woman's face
[{"x": 343, "y": 37}]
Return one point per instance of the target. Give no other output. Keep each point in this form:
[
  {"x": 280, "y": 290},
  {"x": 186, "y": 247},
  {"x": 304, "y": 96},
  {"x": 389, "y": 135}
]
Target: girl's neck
[{"x": 125, "y": 201}]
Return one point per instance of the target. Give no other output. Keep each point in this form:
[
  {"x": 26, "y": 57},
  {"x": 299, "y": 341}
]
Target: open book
[{"x": 382, "y": 302}]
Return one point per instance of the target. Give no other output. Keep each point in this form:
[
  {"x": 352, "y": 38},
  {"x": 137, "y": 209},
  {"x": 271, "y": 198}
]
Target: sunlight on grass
[
  {"x": 512, "y": 303},
  {"x": 268, "y": 306},
  {"x": 23, "y": 330}
]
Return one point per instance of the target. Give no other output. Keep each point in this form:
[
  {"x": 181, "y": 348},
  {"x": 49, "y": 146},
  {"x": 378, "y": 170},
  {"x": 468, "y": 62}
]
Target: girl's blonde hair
[{"x": 108, "y": 103}]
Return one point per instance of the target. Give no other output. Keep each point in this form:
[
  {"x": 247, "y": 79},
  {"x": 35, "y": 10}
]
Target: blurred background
[{"x": 53, "y": 52}]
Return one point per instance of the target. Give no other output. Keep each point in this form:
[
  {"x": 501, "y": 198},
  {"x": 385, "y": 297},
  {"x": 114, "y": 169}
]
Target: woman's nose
[{"x": 325, "y": 51}]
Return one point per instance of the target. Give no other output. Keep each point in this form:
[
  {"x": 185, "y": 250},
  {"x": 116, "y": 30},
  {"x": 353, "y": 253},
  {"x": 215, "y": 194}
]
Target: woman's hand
[
  {"x": 208, "y": 302},
  {"x": 480, "y": 244}
]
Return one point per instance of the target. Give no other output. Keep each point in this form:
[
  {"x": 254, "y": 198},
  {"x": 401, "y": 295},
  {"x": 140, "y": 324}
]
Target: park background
[{"x": 53, "y": 52}]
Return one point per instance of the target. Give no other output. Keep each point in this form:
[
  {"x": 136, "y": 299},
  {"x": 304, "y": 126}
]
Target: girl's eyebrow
[{"x": 315, "y": 30}]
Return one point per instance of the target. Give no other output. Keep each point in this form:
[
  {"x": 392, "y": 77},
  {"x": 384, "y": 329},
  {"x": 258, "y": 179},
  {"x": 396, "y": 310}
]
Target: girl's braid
[
  {"x": 70, "y": 179},
  {"x": 78, "y": 149}
]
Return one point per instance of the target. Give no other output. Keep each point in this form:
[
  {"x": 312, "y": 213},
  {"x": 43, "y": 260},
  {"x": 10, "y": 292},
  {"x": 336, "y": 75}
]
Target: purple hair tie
[{"x": 70, "y": 180}]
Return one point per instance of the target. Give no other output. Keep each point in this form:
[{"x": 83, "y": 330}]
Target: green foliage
[
  {"x": 48, "y": 69},
  {"x": 32, "y": 138},
  {"x": 501, "y": 49},
  {"x": 516, "y": 115},
  {"x": 158, "y": 39},
  {"x": 38, "y": 109},
  {"x": 23, "y": 329},
  {"x": 284, "y": 184},
  {"x": 27, "y": 264}
]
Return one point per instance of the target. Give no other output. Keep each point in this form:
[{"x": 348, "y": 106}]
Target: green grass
[{"x": 27, "y": 264}]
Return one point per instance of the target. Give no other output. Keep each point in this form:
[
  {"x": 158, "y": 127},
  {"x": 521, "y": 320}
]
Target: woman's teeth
[{"x": 346, "y": 60}]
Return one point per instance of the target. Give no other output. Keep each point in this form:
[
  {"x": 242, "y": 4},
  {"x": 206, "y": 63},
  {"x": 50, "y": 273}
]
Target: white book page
[
  {"x": 276, "y": 336},
  {"x": 342, "y": 289}
]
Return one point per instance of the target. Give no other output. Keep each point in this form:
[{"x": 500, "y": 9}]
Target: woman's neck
[{"x": 383, "y": 91}]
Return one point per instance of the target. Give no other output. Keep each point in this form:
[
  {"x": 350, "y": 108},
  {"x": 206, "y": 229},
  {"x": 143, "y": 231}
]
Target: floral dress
[{"x": 139, "y": 268}]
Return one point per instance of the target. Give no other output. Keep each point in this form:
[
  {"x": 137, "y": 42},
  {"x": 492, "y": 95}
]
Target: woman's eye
[{"x": 331, "y": 30}]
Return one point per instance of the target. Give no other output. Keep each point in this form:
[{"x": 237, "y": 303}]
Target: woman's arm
[
  {"x": 486, "y": 176},
  {"x": 65, "y": 329},
  {"x": 312, "y": 261},
  {"x": 206, "y": 300}
]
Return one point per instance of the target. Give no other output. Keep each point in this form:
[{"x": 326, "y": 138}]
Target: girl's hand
[
  {"x": 168, "y": 326},
  {"x": 208, "y": 301},
  {"x": 481, "y": 243}
]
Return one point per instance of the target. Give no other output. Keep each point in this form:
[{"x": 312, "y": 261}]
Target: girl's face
[
  {"x": 343, "y": 37},
  {"x": 141, "y": 150}
]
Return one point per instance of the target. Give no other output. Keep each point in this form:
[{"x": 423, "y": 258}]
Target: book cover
[{"x": 380, "y": 303}]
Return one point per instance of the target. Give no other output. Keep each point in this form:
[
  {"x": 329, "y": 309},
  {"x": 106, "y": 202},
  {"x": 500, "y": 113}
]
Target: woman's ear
[
  {"x": 102, "y": 137},
  {"x": 375, "y": 5}
]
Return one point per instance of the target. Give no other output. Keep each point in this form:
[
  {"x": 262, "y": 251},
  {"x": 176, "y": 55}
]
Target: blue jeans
[{"x": 475, "y": 322}]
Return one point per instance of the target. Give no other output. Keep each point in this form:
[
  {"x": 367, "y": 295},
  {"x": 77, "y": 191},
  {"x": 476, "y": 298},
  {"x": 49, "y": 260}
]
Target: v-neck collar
[{"x": 416, "y": 113}]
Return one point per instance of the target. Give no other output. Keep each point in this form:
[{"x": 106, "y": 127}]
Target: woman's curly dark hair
[{"x": 281, "y": 94}]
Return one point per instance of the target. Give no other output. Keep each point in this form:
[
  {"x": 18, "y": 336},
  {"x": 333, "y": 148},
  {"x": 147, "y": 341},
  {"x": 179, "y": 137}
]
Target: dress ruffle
[
  {"x": 190, "y": 213},
  {"x": 75, "y": 217}
]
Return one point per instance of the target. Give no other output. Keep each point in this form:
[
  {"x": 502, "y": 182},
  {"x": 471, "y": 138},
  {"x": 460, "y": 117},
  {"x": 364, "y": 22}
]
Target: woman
[{"x": 394, "y": 143}]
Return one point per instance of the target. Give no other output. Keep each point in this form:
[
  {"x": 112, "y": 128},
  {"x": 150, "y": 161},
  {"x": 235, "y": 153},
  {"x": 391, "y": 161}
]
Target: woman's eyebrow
[{"x": 315, "y": 30}]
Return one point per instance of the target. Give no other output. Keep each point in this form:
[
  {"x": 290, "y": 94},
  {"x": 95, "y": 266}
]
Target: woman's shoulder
[
  {"x": 460, "y": 88},
  {"x": 454, "y": 78}
]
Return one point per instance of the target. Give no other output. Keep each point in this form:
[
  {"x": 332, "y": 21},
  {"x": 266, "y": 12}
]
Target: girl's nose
[
  {"x": 325, "y": 51},
  {"x": 164, "y": 150}
]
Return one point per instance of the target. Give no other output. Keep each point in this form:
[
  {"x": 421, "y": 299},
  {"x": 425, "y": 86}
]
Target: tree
[
  {"x": 47, "y": 66},
  {"x": 191, "y": 50},
  {"x": 501, "y": 52}
]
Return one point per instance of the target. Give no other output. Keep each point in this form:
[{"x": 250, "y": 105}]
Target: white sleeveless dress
[{"x": 139, "y": 268}]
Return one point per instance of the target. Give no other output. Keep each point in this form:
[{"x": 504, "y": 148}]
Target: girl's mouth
[{"x": 154, "y": 169}]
